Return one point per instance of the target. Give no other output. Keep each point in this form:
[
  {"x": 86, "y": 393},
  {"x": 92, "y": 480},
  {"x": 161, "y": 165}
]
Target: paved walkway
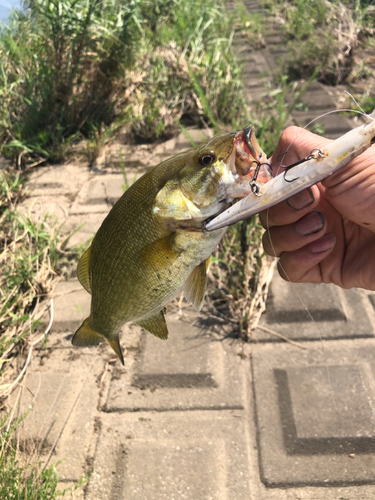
[{"x": 199, "y": 417}]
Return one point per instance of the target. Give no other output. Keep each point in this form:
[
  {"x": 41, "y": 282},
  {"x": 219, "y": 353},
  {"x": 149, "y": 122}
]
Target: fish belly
[{"x": 151, "y": 284}]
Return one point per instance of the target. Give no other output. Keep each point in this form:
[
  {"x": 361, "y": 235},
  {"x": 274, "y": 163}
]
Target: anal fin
[
  {"x": 155, "y": 325},
  {"x": 86, "y": 336},
  {"x": 195, "y": 285}
]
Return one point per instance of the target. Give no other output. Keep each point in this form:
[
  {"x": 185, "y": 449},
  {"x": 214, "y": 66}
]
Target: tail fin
[{"x": 86, "y": 336}]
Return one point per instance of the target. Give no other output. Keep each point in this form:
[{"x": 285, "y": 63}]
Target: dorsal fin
[
  {"x": 155, "y": 325},
  {"x": 195, "y": 285},
  {"x": 83, "y": 270}
]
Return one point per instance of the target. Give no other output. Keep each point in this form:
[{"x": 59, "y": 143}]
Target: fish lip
[
  {"x": 224, "y": 207},
  {"x": 248, "y": 162}
]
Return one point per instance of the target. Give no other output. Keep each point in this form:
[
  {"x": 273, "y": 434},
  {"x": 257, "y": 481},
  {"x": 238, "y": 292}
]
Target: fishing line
[
  {"x": 357, "y": 104},
  {"x": 324, "y": 352},
  {"x": 362, "y": 113},
  {"x": 310, "y": 317}
]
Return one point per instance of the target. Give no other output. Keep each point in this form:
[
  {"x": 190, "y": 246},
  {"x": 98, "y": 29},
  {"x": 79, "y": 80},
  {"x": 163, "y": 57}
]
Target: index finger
[
  {"x": 290, "y": 210},
  {"x": 295, "y": 144}
]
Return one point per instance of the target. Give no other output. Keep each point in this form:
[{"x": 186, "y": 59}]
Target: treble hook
[
  {"x": 315, "y": 154},
  {"x": 254, "y": 186}
]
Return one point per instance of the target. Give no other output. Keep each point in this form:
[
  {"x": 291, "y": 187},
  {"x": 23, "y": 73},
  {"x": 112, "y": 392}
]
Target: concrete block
[
  {"x": 63, "y": 391},
  {"x": 318, "y": 100},
  {"x": 57, "y": 180},
  {"x": 307, "y": 311},
  {"x": 332, "y": 124},
  {"x": 82, "y": 228},
  {"x": 71, "y": 306},
  {"x": 314, "y": 413},
  {"x": 192, "y": 370},
  {"x": 56, "y": 207},
  {"x": 179, "y": 455},
  {"x": 99, "y": 194}
]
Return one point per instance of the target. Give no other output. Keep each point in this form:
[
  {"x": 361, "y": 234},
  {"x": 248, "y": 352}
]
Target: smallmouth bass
[{"x": 152, "y": 244}]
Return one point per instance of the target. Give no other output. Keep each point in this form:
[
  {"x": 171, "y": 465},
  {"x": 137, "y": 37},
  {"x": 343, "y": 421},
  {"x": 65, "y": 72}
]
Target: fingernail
[
  {"x": 301, "y": 200},
  {"x": 310, "y": 224},
  {"x": 323, "y": 244}
]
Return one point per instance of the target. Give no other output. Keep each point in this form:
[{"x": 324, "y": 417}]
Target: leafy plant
[
  {"x": 324, "y": 37},
  {"x": 25, "y": 481},
  {"x": 30, "y": 256},
  {"x": 72, "y": 68}
]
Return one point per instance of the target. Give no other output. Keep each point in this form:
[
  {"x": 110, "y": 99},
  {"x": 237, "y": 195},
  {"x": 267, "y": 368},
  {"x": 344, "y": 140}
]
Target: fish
[
  {"x": 152, "y": 245},
  {"x": 321, "y": 163}
]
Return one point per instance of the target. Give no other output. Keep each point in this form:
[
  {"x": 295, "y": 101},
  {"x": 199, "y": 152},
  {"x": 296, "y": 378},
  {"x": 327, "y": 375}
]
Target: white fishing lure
[{"x": 317, "y": 166}]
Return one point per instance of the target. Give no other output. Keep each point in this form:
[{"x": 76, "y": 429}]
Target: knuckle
[
  {"x": 269, "y": 244},
  {"x": 289, "y": 133}
]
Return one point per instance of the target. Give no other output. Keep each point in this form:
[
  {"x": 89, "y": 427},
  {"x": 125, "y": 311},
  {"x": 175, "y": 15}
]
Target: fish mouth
[{"x": 249, "y": 159}]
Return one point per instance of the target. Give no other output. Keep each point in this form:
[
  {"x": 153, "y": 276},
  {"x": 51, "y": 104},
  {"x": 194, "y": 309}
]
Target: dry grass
[
  {"x": 31, "y": 254},
  {"x": 239, "y": 277},
  {"x": 324, "y": 38}
]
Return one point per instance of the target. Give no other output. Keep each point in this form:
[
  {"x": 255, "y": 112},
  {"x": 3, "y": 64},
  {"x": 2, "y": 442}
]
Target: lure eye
[{"x": 206, "y": 159}]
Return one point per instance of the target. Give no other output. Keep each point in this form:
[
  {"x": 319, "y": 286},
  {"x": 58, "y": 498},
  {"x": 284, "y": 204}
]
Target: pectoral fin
[
  {"x": 160, "y": 254},
  {"x": 155, "y": 325},
  {"x": 83, "y": 270},
  {"x": 195, "y": 285}
]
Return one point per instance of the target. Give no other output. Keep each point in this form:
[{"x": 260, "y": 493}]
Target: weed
[
  {"x": 235, "y": 269},
  {"x": 324, "y": 37},
  {"x": 73, "y": 68},
  {"x": 30, "y": 256},
  {"x": 23, "y": 481},
  {"x": 252, "y": 25},
  {"x": 367, "y": 102},
  {"x": 318, "y": 129}
]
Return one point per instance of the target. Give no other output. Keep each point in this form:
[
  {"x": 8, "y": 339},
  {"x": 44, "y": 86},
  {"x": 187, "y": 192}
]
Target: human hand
[{"x": 325, "y": 234}]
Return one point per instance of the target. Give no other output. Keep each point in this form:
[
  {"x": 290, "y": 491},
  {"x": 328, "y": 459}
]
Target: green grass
[
  {"x": 324, "y": 37},
  {"x": 21, "y": 480},
  {"x": 31, "y": 255},
  {"x": 73, "y": 68},
  {"x": 234, "y": 273}
]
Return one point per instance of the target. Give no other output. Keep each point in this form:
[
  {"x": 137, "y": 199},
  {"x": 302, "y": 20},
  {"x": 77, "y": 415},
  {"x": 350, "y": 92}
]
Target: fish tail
[{"x": 86, "y": 336}]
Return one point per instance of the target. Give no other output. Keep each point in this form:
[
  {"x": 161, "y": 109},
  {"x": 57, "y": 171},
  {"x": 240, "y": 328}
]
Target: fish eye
[{"x": 206, "y": 159}]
